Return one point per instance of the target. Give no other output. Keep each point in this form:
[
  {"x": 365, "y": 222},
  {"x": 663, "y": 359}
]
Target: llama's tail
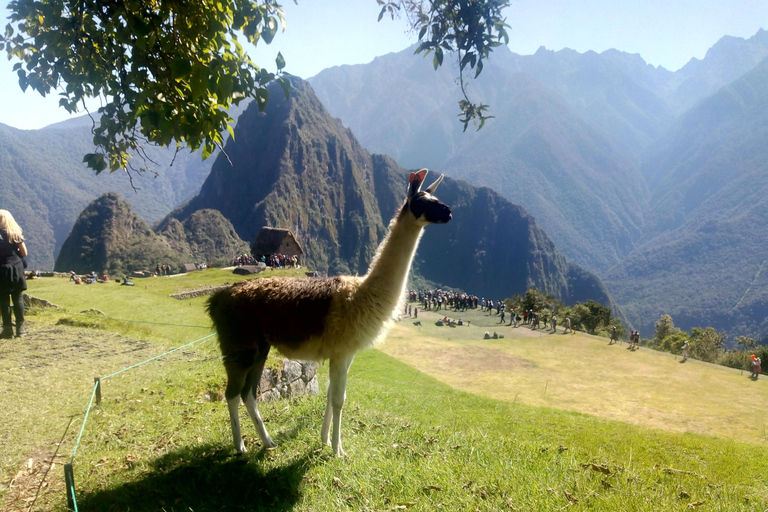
[{"x": 215, "y": 307}]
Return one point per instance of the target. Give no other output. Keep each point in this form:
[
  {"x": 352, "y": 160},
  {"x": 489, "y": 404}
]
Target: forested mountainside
[
  {"x": 45, "y": 185},
  {"x": 706, "y": 228},
  {"x": 296, "y": 167},
  {"x": 646, "y": 176},
  {"x": 110, "y": 237}
]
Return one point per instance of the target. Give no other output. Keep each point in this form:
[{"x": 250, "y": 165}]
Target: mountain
[
  {"x": 45, "y": 185},
  {"x": 295, "y": 167},
  {"x": 651, "y": 178},
  {"x": 728, "y": 59},
  {"x": 109, "y": 236},
  {"x": 703, "y": 260},
  {"x": 568, "y": 139},
  {"x": 537, "y": 151}
]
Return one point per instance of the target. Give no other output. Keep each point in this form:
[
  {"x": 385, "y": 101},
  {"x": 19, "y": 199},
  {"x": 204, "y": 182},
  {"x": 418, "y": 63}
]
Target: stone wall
[
  {"x": 296, "y": 378},
  {"x": 198, "y": 292}
]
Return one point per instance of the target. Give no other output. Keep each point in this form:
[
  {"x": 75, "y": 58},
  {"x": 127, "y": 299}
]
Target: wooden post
[
  {"x": 69, "y": 478},
  {"x": 97, "y": 380}
]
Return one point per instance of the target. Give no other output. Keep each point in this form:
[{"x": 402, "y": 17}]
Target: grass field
[
  {"x": 583, "y": 373},
  {"x": 438, "y": 418}
]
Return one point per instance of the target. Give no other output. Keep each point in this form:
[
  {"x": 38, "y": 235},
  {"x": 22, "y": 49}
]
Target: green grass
[
  {"x": 583, "y": 373},
  {"x": 161, "y": 440}
]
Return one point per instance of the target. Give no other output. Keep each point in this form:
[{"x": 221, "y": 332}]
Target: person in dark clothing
[{"x": 12, "y": 279}]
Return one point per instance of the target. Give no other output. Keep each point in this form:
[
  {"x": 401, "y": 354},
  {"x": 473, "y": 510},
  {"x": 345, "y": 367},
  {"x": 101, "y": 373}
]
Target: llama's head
[{"x": 422, "y": 204}]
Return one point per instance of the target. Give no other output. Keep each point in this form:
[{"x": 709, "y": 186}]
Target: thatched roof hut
[{"x": 276, "y": 241}]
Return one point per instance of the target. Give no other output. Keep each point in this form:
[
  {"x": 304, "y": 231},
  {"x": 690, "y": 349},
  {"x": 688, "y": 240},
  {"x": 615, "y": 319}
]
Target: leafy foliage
[
  {"x": 168, "y": 72},
  {"x": 591, "y": 316},
  {"x": 165, "y": 71},
  {"x": 706, "y": 344},
  {"x": 665, "y": 327},
  {"x": 534, "y": 300}
]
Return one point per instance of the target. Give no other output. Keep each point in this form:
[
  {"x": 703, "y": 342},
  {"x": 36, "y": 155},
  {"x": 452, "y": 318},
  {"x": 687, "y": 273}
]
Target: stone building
[{"x": 276, "y": 241}]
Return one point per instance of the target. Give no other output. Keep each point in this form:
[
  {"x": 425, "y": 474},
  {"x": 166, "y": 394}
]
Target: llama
[{"x": 319, "y": 318}]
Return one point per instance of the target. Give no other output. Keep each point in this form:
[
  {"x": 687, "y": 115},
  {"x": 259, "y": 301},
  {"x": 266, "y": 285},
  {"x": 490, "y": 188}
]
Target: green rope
[
  {"x": 123, "y": 320},
  {"x": 157, "y": 357},
  {"x": 82, "y": 427}
]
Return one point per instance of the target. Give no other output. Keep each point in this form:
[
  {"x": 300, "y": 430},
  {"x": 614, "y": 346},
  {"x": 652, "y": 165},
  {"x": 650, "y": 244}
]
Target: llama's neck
[{"x": 387, "y": 277}]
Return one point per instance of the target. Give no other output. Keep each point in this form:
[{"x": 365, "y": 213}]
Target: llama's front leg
[{"x": 337, "y": 393}]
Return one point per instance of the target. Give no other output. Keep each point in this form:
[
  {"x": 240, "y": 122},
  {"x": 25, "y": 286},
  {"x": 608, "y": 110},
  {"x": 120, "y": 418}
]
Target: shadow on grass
[{"x": 205, "y": 478}]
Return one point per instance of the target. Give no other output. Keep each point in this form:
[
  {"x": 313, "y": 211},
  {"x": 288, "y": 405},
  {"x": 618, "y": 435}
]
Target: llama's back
[{"x": 284, "y": 312}]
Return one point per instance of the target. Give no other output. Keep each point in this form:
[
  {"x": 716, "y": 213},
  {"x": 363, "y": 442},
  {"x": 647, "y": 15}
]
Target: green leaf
[
  {"x": 437, "y": 60},
  {"x": 208, "y": 148},
  {"x": 280, "y": 61},
  {"x": 238, "y": 21},
  {"x": 285, "y": 84},
  {"x": 181, "y": 68},
  {"x": 269, "y": 30},
  {"x": 262, "y": 97}
]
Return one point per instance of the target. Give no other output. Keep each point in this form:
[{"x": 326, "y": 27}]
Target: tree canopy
[{"x": 166, "y": 72}]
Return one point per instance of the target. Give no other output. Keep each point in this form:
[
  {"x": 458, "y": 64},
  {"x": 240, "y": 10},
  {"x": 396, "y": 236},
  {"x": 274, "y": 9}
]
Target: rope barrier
[
  {"x": 123, "y": 320},
  {"x": 68, "y": 471},
  {"x": 158, "y": 357},
  {"x": 82, "y": 427}
]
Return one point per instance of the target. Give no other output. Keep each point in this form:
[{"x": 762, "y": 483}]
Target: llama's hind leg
[
  {"x": 235, "y": 380},
  {"x": 337, "y": 393},
  {"x": 249, "y": 396}
]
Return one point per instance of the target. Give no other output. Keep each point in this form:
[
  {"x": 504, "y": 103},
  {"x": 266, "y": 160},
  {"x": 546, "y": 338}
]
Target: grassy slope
[
  {"x": 161, "y": 438},
  {"x": 582, "y": 373}
]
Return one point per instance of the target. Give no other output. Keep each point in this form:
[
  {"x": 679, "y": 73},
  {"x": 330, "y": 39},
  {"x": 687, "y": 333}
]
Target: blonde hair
[{"x": 10, "y": 227}]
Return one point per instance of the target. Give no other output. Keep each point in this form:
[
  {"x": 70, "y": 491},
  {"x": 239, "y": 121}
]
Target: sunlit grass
[
  {"x": 583, "y": 373},
  {"x": 454, "y": 422}
]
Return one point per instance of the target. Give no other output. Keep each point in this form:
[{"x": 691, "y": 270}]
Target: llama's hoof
[
  {"x": 269, "y": 444},
  {"x": 241, "y": 449}
]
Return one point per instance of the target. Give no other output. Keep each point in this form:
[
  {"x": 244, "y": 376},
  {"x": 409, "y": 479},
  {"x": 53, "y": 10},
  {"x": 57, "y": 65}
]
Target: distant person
[
  {"x": 756, "y": 365},
  {"x": 567, "y": 325},
  {"x": 686, "y": 347},
  {"x": 13, "y": 250},
  {"x": 554, "y": 323},
  {"x": 613, "y": 335},
  {"x": 126, "y": 282}
]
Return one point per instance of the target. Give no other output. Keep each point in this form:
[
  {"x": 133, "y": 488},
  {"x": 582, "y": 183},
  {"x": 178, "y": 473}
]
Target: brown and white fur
[{"x": 316, "y": 319}]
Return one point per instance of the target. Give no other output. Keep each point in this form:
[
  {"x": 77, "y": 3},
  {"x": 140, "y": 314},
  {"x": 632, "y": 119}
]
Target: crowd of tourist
[
  {"x": 244, "y": 259},
  {"x": 273, "y": 260},
  {"x": 442, "y": 300}
]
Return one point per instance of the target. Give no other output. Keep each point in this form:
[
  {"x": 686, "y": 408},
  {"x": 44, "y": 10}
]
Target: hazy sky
[{"x": 324, "y": 33}]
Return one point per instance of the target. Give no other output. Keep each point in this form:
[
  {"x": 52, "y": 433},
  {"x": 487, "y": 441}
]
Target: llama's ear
[
  {"x": 414, "y": 182},
  {"x": 431, "y": 189}
]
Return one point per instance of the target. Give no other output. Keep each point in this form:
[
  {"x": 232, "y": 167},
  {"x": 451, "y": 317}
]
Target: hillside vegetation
[{"x": 160, "y": 439}]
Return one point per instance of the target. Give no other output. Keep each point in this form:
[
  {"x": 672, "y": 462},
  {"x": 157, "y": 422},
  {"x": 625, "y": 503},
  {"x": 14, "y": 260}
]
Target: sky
[{"x": 325, "y": 33}]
